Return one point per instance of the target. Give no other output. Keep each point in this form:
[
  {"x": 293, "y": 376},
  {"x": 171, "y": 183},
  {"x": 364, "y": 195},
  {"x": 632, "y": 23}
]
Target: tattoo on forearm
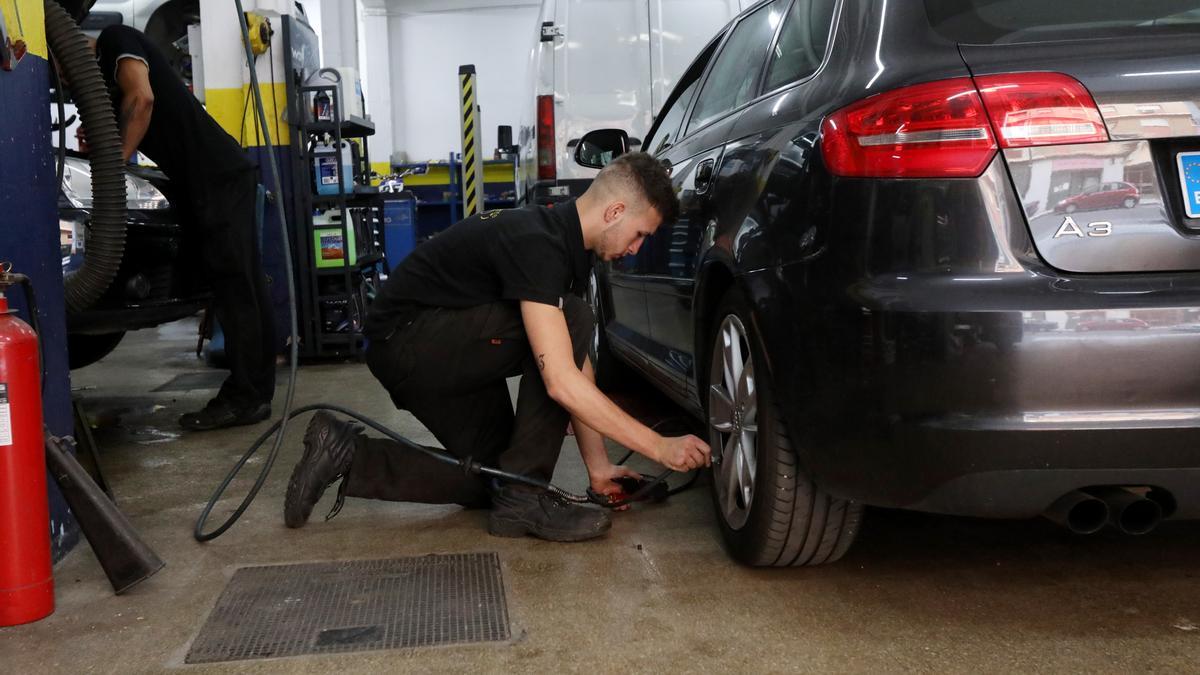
[{"x": 541, "y": 361}]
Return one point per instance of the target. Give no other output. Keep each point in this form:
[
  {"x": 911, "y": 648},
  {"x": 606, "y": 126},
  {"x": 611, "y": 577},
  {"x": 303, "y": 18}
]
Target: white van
[{"x": 603, "y": 64}]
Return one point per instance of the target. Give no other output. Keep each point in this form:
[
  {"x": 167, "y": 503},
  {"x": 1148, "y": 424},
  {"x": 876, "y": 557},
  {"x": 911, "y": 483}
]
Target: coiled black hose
[{"x": 106, "y": 235}]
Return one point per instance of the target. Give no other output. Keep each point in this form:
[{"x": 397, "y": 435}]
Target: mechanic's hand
[
  {"x": 602, "y": 480},
  {"x": 683, "y": 453}
]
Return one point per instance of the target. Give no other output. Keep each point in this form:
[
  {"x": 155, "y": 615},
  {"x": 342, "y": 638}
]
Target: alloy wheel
[{"x": 733, "y": 421}]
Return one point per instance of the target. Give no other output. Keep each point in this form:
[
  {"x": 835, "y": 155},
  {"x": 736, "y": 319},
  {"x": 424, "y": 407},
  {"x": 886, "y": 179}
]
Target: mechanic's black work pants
[
  {"x": 448, "y": 368},
  {"x": 229, "y": 252}
]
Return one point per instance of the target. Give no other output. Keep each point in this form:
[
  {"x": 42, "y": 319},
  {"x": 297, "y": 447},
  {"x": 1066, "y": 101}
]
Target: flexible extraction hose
[{"x": 106, "y": 236}]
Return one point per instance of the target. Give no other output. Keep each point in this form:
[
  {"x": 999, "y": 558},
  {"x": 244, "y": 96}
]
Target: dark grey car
[{"x": 855, "y": 297}]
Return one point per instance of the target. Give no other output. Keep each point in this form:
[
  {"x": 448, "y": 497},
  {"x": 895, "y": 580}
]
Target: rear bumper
[{"x": 928, "y": 392}]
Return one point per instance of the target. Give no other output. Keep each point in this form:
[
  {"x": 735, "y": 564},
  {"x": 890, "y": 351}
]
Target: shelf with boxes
[{"x": 339, "y": 230}]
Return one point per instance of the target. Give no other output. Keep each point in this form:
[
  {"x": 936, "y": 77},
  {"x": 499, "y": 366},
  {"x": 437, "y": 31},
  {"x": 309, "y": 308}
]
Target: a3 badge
[{"x": 1069, "y": 228}]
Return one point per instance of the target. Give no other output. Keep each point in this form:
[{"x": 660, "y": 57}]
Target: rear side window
[
  {"x": 733, "y": 77},
  {"x": 802, "y": 42},
  {"x": 671, "y": 121},
  {"x": 1009, "y": 21}
]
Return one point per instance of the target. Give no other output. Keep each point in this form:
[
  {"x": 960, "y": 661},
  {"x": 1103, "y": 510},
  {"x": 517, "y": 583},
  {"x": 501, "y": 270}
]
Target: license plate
[{"x": 1189, "y": 180}]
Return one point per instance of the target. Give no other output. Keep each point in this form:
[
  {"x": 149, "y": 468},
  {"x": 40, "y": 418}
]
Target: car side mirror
[{"x": 600, "y": 147}]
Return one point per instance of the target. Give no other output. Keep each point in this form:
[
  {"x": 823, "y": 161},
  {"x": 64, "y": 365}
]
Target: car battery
[{"x": 339, "y": 315}]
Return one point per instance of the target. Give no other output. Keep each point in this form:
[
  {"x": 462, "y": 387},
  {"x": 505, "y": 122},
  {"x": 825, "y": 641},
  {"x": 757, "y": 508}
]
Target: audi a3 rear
[{"x": 937, "y": 255}]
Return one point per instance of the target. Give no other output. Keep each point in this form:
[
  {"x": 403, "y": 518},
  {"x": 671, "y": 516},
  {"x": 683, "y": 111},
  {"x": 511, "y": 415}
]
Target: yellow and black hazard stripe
[{"x": 472, "y": 160}]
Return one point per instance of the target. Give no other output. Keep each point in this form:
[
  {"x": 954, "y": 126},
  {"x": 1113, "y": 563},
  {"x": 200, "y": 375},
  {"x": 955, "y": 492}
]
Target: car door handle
[{"x": 704, "y": 174}]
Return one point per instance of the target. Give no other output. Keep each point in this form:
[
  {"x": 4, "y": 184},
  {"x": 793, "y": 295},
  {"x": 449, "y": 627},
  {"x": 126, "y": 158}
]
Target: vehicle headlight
[
  {"x": 140, "y": 193},
  {"x": 77, "y": 183}
]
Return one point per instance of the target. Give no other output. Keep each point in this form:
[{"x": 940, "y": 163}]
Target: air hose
[
  {"x": 647, "y": 488},
  {"x": 293, "y": 345},
  {"x": 106, "y": 233}
]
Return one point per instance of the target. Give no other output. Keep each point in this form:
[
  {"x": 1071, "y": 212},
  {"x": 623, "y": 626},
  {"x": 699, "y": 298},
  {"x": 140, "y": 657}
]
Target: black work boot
[
  {"x": 218, "y": 414},
  {"x": 328, "y": 450},
  {"x": 518, "y": 511}
]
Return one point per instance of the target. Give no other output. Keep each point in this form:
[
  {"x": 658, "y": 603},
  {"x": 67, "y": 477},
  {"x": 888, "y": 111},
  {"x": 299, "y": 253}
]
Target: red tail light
[
  {"x": 545, "y": 138},
  {"x": 952, "y": 128},
  {"x": 932, "y": 130},
  {"x": 1040, "y": 109}
]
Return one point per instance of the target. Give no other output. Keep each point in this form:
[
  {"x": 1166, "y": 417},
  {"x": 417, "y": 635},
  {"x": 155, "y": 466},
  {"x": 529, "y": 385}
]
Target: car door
[
  {"x": 626, "y": 320},
  {"x": 1093, "y": 198},
  {"x": 729, "y": 86},
  {"x": 627, "y": 324}
]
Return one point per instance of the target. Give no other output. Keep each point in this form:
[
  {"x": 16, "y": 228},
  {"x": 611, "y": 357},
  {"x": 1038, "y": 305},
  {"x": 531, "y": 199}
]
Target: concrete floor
[{"x": 917, "y": 593}]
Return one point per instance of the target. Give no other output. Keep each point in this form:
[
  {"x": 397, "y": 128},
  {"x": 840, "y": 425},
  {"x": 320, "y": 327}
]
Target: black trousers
[
  {"x": 224, "y": 215},
  {"x": 448, "y": 368}
]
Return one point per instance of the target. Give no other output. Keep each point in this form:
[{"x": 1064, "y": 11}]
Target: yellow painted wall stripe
[
  {"x": 227, "y": 105},
  {"x": 438, "y": 173},
  {"x": 26, "y": 20}
]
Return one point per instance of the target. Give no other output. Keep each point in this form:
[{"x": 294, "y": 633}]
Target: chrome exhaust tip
[
  {"x": 1079, "y": 512},
  {"x": 1129, "y": 511}
]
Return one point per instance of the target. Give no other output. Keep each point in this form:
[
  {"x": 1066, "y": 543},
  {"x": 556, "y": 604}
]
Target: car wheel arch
[{"x": 713, "y": 280}]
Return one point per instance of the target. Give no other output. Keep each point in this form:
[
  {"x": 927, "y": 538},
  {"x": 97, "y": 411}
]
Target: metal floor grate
[{"x": 324, "y": 608}]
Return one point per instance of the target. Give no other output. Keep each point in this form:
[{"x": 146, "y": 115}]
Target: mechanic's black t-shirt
[
  {"x": 532, "y": 253},
  {"x": 187, "y": 144}
]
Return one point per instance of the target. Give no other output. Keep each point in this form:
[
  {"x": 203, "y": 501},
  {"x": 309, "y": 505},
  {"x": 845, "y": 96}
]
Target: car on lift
[
  {"x": 158, "y": 281},
  {"x": 165, "y": 22},
  {"x": 844, "y": 295}
]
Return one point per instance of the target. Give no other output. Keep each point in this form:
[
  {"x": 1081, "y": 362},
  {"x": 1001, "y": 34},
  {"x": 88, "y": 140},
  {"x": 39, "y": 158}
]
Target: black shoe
[
  {"x": 517, "y": 512},
  {"x": 219, "y": 414},
  {"x": 328, "y": 449}
]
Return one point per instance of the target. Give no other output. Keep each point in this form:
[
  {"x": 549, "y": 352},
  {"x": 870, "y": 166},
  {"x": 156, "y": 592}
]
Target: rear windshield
[{"x": 1008, "y": 21}]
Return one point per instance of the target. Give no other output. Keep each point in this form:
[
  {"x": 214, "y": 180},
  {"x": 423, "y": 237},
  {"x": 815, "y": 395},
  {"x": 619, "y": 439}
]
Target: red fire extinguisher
[{"x": 26, "y": 581}]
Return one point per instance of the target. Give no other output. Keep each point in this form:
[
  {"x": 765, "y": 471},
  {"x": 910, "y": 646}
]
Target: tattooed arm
[
  {"x": 137, "y": 103},
  {"x": 546, "y": 327}
]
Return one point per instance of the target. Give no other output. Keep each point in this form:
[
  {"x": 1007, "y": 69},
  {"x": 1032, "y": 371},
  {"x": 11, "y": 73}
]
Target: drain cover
[{"x": 324, "y": 608}]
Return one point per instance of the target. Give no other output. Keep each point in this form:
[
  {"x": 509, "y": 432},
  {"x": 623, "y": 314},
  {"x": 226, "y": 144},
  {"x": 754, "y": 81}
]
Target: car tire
[
  {"x": 1129, "y": 202},
  {"x": 770, "y": 511},
  {"x": 610, "y": 372},
  {"x": 84, "y": 350},
  {"x": 1071, "y": 208}
]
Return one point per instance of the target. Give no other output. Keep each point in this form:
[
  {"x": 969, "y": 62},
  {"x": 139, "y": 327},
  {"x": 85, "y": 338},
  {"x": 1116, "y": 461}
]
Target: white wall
[{"x": 426, "y": 49}]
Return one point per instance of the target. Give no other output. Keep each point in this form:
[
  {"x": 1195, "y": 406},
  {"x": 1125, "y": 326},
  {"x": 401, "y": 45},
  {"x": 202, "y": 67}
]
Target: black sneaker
[
  {"x": 328, "y": 450},
  {"x": 517, "y": 512},
  {"x": 219, "y": 414}
]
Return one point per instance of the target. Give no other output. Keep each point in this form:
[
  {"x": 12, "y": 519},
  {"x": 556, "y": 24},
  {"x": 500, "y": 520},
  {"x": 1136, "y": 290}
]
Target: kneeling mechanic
[{"x": 494, "y": 296}]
